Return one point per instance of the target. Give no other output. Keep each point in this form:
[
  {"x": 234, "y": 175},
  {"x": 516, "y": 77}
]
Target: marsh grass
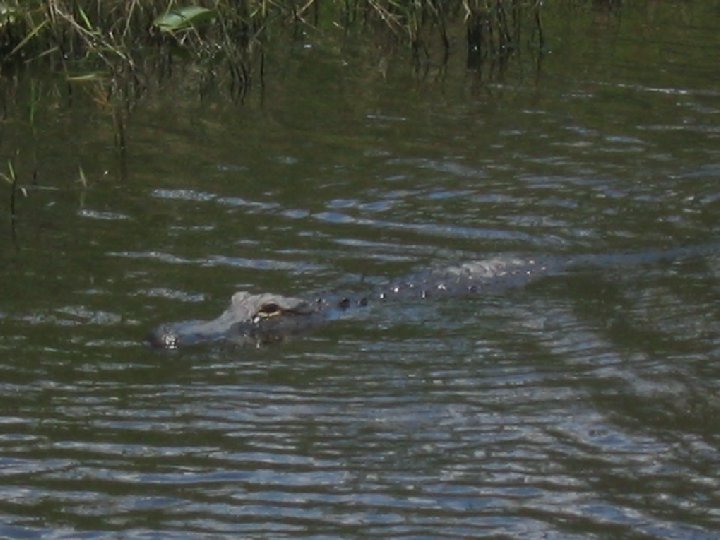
[
  {"x": 113, "y": 51},
  {"x": 113, "y": 34},
  {"x": 114, "y": 47}
]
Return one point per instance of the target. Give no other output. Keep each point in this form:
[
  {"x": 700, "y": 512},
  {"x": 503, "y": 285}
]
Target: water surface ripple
[{"x": 584, "y": 405}]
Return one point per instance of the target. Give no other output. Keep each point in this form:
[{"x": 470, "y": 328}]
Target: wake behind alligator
[{"x": 258, "y": 318}]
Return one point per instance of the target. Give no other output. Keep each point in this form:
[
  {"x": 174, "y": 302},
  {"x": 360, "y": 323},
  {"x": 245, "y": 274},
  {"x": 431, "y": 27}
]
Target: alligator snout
[{"x": 163, "y": 337}]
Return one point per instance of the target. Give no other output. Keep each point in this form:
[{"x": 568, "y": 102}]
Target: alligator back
[
  {"x": 263, "y": 317},
  {"x": 484, "y": 276}
]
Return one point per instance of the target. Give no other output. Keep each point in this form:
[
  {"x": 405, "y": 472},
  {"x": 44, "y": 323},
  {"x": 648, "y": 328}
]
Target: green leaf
[
  {"x": 183, "y": 18},
  {"x": 89, "y": 76}
]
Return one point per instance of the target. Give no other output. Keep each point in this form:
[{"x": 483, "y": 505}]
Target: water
[{"x": 583, "y": 405}]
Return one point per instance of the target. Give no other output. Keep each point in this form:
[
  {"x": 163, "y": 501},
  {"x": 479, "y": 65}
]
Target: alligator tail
[{"x": 645, "y": 257}]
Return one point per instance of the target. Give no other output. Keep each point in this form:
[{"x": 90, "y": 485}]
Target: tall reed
[{"x": 115, "y": 32}]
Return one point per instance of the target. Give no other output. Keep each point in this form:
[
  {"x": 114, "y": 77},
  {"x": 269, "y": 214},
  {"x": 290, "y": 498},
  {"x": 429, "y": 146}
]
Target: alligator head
[{"x": 249, "y": 316}]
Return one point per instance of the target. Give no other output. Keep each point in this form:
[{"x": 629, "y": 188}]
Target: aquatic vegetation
[
  {"x": 112, "y": 52},
  {"x": 11, "y": 178},
  {"x": 114, "y": 49},
  {"x": 117, "y": 34}
]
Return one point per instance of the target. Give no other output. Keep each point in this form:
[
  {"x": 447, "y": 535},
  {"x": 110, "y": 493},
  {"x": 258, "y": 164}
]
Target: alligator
[{"x": 260, "y": 318}]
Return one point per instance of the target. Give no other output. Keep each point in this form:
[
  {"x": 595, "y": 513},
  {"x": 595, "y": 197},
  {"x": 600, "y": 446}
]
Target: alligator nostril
[{"x": 163, "y": 338}]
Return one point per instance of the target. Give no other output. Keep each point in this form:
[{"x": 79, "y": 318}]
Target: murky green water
[{"x": 582, "y": 405}]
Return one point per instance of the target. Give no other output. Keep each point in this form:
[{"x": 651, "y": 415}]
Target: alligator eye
[{"x": 268, "y": 310}]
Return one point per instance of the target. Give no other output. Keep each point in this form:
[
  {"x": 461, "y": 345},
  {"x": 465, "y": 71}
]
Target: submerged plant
[
  {"x": 494, "y": 26},
  {"x": 11, "y": 178}
]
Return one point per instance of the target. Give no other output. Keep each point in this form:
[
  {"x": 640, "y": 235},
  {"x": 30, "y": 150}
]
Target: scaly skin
[
  {"x": 265, "y": 317},
  {"x": 257, "y": 318}
]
